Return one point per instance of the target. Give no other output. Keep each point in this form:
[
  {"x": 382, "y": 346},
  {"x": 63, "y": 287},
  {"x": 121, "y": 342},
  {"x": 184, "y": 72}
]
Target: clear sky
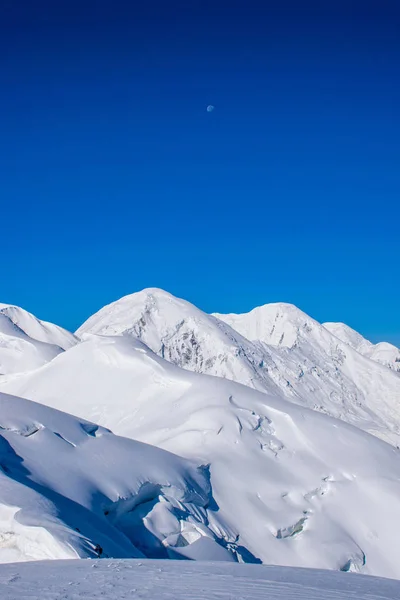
[{"x": 114, "y": 177}]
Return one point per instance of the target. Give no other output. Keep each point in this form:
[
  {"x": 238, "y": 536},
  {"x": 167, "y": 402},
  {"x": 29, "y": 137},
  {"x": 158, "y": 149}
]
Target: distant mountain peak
[{"x": 382, "y": 352}]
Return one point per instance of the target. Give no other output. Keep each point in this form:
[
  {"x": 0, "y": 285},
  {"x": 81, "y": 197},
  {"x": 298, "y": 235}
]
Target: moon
[{"x": 210, "y": 108}]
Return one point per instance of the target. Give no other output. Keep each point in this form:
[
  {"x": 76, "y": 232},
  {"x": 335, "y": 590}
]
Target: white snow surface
[
  {"x": 26, "y": 342},
  {"x": 172, "y": 580},
  {"x": 275, "y": 348},
  {"x": 69, "y": 489},
  {"x": 289, "y": 486}
]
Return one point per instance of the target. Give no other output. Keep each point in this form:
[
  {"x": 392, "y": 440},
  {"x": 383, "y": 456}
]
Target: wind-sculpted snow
[
  {"x": 162, "y": 580},
  {"x": 276, "y": 349},
  {"x": 26, "y": 342},
  {"x": 69, "y": 488},
  {"x": 290, "y": 486}
]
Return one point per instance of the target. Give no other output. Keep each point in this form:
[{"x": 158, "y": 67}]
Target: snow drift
[{"x": 69, "y": 488}]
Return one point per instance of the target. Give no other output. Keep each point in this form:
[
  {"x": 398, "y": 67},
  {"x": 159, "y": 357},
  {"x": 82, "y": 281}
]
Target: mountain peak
[{"x": 276, "y": 323}]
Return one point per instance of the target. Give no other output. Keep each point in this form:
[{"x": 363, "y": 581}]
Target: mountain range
[
  {"x": 276, "y": 349},
  {"x": 250, "y": 438}
]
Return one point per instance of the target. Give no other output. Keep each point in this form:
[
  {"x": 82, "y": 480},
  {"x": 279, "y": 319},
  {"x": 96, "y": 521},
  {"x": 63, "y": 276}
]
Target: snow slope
[
  {"x": 161, "y": 580},
  {"x": 26, "y": 342},
  {"x": 383, "y": 352},
  {"x": 69, "y": 489},
  {"x": 276, "y": 349},
  {"x": 290, "y": 486}
]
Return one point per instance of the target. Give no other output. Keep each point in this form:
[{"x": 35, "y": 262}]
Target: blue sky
[{"x": 115, "y": 177}]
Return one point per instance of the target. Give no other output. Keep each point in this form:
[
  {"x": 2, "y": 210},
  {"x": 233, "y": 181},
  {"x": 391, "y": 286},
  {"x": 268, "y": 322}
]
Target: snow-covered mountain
[
  {"x": 254, "y": 475},
  {"x": 276, "y": 349},
  {"x": 26, "y": 342},
  {"x": 383, "y": 352},
  {"x": 322, "y": 371},
  {"x": 69, "y": 489},
  {"x": 184, "y": 335},
  {"x": 290, "y": 486}
]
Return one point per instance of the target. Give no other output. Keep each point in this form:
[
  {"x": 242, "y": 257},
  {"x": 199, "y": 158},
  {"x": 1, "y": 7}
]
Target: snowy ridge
[
  {"x": 118, "y": 580},
  {"x": 383, "y": 352},
  {"x": 42, "y": 331},
  {"x": 69, "y": 488},
  {"x": 26, "y": 343},
  {"x": 291, "y": 486}
]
